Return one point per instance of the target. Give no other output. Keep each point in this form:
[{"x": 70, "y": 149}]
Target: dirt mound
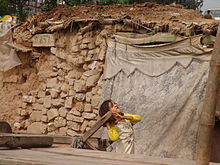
[{"x": 144, "y": 12}]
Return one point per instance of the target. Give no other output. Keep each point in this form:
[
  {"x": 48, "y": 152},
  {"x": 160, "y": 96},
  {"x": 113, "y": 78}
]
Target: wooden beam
[
  {"x": 209, "y": 107},
  {"x": 25, "y": 141},
  {"x": 96, "y": 126}
]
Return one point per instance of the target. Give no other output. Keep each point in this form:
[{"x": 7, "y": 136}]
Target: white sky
[{"x": 211, "y": 4}]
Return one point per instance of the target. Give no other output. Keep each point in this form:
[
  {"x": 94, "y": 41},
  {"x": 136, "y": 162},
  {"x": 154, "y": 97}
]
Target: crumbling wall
[{"x": 58, "y": 89}]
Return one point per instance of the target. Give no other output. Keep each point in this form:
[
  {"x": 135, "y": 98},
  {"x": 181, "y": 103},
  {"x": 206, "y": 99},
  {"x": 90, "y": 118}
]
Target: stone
[
  {"x": 35, "y": 116},
  {"x": 60, "y": 71},
  {"x": 57, "y": 102},
  {"x": 64, "y": 66},
  {"x": 75, "y": 49},
  {"x": 83, "y": 46},
  {"x": 101, "y": 55},
  {"x": 84, "y": 125},
  {"x": 91, "y": 45},
  {"x": 40, "y": 101},
  {"x": 63, "y": 95},
  {"x": 59, "y": 52},
  {"x": 79, "y": 37},
  {"x": 73, "y": 125},
  {"x": 80, "y": 86},
  {"x": 92, "y": 66},
  {"x": 37, "y": 106},
  {"x": 63, "y": 112},
  {"x": 37, "y": 127},
  {"x": 27, "y": 123},
  {"x": 85, "y": 67},
  {"x": 77, "y": 119},
  {"x": 51, "y": 127},
  {"x": 92, "y": 80},
  {"x": 96, "y": 111},
  {"x": 59, "y": 122},
  {"x": 62, "y": 131},
  {"x": 60, "y": 78},
  {"x": 74, "y": 74},
  {"x": 24, "y": 112},
  {"x": 24, "y": 105},
  {"x": 88, "y": 108},
  {"x": 80, "y": 96},
  {"x": 88, "y": 58},
  {"x": 80, "y": 60},
  {"x": 75, "y": 112},
  {"x": 44, "y": 111},
  {"x": 69, "y": 102},
  {"x": 54, "y": 93},
  {"x": 72, "y": 93},
  {"x": 88, "y": 115},
  {"x": 44, "y": 118},
  {"x": 17, "y": 125},
  {"x": 99, "y": 40},
  {"x": 18, "y": 111},
  {"x": 18, "y": 119},
  {"x": 95, "y": 101},
  {"x": 71, "y": 132},
  {"x": 92, "y": 123},
  {"x": 65, "y": 88},
  {"x": 95, "y": 90},
  {"x": 88, "y": 97},
  {"x": 41, "y": 94},
  {"x": 71, "y": 81},
  {"x": 43, "y": 40},
  {"x": 92, "y": 52},
  {"x": 11, "y": 79},
  {"x": 87, "y": 40},
  {"x": 91, "y": 72},
  {"x": 84, "y": 52},
  {"x": 29, "y": 99},
  {"x": 78, "y": 106},
  {"x": 53, "y": 74},
  {"x": 52, "y": 113},
  {"x": 47, "y": 102},
  {"x": 51, "y": 83}
]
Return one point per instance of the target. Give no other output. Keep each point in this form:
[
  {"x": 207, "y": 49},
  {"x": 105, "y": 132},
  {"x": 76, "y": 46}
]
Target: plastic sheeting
[
  {"x": 169, "y": 100},
  {"x": 8, "y": 56}
]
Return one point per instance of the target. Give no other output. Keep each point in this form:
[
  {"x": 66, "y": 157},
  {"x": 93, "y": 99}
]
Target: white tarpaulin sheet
[
  {"x": 8, "y": 56},
  {"x": 166, "y": 86}
]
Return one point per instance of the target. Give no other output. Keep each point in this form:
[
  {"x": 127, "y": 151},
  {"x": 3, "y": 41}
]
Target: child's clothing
[{"x": 124, "y": 133}]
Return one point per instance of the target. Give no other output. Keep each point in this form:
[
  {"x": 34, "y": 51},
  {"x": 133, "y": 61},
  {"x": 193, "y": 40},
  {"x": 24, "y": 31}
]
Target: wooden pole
[{"x": 209, "y": 107}]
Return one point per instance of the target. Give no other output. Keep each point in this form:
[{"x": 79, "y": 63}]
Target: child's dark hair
[{"x": 104, "y": 108}]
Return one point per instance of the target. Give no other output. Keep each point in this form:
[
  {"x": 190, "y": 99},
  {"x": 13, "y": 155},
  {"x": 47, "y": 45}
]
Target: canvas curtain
[
  {"x": 166, "y": 86},
  {"x": 8, "y": 56}
]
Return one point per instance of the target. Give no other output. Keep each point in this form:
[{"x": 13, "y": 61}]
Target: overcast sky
[{"x": 211, "y": 4}]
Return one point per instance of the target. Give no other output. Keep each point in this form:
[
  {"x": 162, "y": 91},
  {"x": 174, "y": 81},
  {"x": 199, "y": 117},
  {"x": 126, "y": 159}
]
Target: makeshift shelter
[{"x": 165, "y": 84}]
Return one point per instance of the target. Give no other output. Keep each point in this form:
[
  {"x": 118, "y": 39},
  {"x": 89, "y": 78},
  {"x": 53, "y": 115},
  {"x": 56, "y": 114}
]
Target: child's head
[{"x": 108, "y": 105}]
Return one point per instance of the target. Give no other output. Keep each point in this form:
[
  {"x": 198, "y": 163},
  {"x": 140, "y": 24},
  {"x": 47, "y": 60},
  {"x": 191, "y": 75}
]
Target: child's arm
[
  {"x": 112, "y": 132},
  {"x": 133, "y": 118}
]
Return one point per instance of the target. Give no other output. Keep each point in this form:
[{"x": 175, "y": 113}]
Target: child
[{"x": 120, "y": 127}]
